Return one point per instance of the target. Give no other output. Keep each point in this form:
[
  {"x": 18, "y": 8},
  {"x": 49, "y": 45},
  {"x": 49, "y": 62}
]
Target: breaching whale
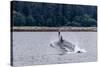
[{"x": 65, "y": 47}]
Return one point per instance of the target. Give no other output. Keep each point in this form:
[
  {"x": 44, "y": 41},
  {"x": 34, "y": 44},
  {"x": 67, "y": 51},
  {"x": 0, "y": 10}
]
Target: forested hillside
[{"x": 53, "y": 15}]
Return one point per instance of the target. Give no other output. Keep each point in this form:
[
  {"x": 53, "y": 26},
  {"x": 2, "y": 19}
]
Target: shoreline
[{"x": 54, "y": 29}]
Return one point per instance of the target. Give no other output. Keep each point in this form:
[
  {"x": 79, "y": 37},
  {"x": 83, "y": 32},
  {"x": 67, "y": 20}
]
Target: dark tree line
[{"x": 53, "y": 15}]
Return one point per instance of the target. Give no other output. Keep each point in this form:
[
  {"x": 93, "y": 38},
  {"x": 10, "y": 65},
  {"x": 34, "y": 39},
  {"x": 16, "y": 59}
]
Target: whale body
[{"x": 65, "y": 47}]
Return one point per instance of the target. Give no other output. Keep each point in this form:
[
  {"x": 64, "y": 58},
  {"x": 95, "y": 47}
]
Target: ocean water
[{"x": 33, "y": 48}]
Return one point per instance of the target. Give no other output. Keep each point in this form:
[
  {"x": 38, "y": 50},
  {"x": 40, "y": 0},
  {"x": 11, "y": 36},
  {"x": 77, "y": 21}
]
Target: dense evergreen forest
[{"x": 53, "y": 15}]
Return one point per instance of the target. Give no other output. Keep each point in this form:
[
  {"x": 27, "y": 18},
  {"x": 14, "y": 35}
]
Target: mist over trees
[{"x": 53, "y": 15}]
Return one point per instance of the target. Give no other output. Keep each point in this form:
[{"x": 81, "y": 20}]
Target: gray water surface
[{"x": 33, "y": 48}]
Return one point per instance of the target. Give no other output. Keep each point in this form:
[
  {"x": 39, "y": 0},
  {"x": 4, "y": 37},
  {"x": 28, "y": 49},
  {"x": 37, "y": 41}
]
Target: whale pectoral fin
[{"x": 51, "y": 45}]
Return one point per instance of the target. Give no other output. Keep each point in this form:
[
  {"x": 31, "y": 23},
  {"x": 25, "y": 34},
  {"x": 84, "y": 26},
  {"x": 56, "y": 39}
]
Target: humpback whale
[{"x": 64, "y": 46}]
